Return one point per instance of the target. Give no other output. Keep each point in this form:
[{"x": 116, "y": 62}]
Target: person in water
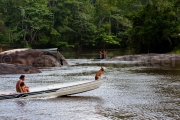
[{"x": 21, "y": 86}]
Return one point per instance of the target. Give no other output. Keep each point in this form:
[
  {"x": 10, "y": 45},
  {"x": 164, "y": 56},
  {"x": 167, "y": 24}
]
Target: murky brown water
[{"x": 129, "y": 93}]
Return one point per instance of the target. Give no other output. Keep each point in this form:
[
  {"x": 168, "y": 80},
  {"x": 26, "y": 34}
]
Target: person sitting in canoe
[
  {"x": 20, "y": 85},
  {"x": 24, "y": 87}
]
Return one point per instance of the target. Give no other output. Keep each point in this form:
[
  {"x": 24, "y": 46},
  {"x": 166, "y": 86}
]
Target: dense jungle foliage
[{"x": 141, "y": 26}]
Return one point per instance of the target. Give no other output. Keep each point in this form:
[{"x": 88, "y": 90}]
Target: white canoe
[{"x": 54, "y": 90}]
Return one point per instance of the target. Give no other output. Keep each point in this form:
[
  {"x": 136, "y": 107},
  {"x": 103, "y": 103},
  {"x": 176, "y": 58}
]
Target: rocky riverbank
[
  {"x": 17, "y": 69},
  {"x": 151, "y": 59},
  {"x": 20, "y": 61}
]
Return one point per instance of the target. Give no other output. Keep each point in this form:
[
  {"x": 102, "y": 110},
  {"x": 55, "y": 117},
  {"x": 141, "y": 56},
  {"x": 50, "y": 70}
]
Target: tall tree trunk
[
  {"x": 170, "y": 41},
  {"x": 101, "y": 20}
]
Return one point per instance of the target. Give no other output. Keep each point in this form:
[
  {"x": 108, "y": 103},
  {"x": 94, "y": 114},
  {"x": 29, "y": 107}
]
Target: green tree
[
  {"x": 9, "y": 14},
  {"x": 35, "y": 17},
  {"x": 106, "y": 13},
  {"x": 155, "y": 27},
  {"x": 73, "y": 23},
  {"x": 25, "y": 20}
]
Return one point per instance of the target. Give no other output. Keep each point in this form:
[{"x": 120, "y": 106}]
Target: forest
[{"x": 137, "y": 26}]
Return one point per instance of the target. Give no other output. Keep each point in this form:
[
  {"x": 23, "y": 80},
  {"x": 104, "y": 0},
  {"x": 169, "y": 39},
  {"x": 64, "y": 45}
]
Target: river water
[{"x": 128, "y": 93}]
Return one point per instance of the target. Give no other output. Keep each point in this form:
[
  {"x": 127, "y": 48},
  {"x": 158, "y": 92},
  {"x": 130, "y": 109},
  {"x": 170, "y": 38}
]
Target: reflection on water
[
  {"x": 90, "y": 54},
  {"x": 129, "y": 92},
  {"x": 21, "y": 103}
]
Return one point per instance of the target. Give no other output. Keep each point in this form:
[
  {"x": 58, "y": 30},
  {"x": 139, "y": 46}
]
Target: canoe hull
[{"x": 57, "y": 90}]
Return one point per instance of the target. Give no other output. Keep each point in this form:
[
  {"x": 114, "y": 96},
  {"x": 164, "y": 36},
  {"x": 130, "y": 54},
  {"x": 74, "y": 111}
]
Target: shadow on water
[
  {"x": 90, "y": 54},
  {"x": 79, "y": 98},
  {"x": 21, "y": 103}
]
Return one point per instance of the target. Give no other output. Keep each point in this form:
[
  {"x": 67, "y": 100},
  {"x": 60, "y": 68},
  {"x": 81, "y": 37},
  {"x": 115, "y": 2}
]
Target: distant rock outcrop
[
  {"x": 46, "y": 61},
  {"x": 21, "y": 56},
  {"x": 30, "y": 58},
  {"x": 151, "y": 59},
  {"x": 17, "y": 69}
]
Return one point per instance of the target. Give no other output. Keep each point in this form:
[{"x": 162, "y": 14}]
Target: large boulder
[
  {"x": 21, "y": 56},
  {"x": 17, "y": 69},
  {"x": 46, "y": 61},
  {"x": 31, "y": 57}
]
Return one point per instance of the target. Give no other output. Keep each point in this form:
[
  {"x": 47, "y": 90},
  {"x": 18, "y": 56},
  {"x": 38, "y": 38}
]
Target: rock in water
[
  {"x": 21, "y": 56},
  {"x": 24, "y": 61},
  {"x": 17, "y": 69},
  {"x": 30, "y": 57},
  {"x": 46, "y": 61}
]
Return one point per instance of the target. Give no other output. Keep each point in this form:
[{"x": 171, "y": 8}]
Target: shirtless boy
[{"x": 19, "y": 87}]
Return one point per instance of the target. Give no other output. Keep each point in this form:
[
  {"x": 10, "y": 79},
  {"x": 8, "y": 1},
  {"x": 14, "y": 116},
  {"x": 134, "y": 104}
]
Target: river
[{"x": 128, "y": 93}]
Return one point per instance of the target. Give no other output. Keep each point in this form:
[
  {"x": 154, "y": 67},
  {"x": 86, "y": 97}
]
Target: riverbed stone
[
  {"x": 17, "y": 69},
  {"x": 21, "y": 56},
  {"x": 31, "y": 57},
  {"x": 46, "y": 61},
  {"x": 25, "y": 60},
  {"x": 151, "y": 59}
]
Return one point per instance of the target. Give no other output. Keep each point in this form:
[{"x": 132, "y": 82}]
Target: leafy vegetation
[
  {"x": 155, "y": 27},
  {"x": 141, "y": 26}
]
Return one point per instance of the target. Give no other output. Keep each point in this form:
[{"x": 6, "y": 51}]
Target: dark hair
[
  {"x": 22, "y": 76},
  {"x": 22, "y": 84}
]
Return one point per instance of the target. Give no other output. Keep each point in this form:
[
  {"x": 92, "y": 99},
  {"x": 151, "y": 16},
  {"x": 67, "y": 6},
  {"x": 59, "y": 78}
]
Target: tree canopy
[
  {"x": 142, "y": 26},
  {"x": 155, "y": 27}
]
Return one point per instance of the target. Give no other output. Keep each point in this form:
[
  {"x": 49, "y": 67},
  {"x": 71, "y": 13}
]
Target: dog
[{"x": 98, "y": 74}]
